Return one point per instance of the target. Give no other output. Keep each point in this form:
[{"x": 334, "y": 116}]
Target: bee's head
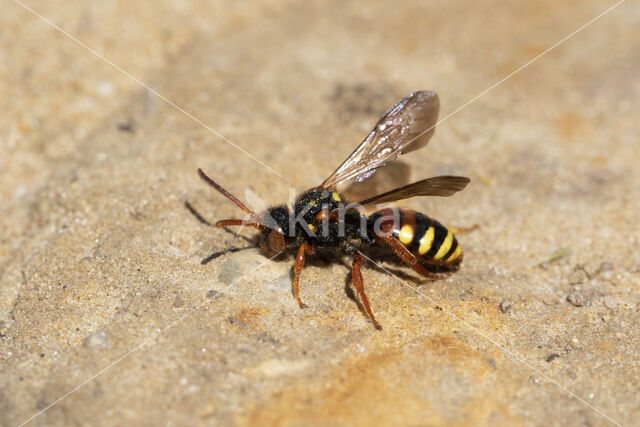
[{"x": 276, "y": 223}]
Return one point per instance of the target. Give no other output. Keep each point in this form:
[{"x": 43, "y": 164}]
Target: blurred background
[{"x": 108, "y": 108}]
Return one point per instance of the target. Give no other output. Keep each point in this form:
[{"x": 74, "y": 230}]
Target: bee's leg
[
  {"x": 228, "y": 222},
  {"x": 357, "y": 282},
  {"x": 463, "y": 230},
  {"x": 304, "y": 248},
  {"x": 409, "y": 259}
]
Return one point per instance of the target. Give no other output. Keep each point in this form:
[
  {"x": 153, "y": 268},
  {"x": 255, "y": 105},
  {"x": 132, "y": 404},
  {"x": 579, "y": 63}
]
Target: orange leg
[
  {"x": 357, "y": 282},
  {"x": 228, "y": 222},
  {"x": 409, "y": 259},
  {"x": 304, "y": 248},
  {"x": 463, "y": 230}
]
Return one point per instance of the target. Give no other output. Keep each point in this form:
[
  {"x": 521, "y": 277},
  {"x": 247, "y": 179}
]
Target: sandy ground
[{"x": 107, "y": 315}]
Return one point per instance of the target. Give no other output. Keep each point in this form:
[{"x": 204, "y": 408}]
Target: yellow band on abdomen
[
  {"x": 426, "y": 241},
  {"x": 455, "y": 255},
  {"x": 446, "y": 245},
  {"x": 406, "y": 235}
]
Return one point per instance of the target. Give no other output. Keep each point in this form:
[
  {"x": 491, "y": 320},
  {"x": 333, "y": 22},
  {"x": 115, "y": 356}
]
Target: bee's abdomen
[{"x": 425, "y": 237}]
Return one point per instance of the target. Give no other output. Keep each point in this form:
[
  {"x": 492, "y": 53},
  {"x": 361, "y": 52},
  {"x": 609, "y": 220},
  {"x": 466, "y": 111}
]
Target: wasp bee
[{"x": 321, "y": 221}]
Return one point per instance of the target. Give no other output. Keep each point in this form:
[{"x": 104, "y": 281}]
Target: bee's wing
[
  {"x": 437, "y": 186},
  {"x": 254, "y": 201},
  {"x": 407, "y": 126}
]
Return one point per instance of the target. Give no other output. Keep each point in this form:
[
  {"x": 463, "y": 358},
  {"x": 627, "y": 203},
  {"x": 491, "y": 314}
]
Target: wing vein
[{"x": 399, "y": 131}]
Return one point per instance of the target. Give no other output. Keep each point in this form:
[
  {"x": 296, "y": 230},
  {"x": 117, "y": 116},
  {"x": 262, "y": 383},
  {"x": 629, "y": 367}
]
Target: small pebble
[
  {"x": 606, "y": 266},
  {"x": 239, "y": 265},
  {"x": 283, "y": 283},
  {"x": 177, "y": 302},
  {"x": 229, "y": 271},
  {"x": 576, "y": 299},
  {"x": 125, "y": 126},
  {"x": 610, "y": 302},
  {"x": 577, "y": 277},
  {"x": 97, "y": 339},
  {"x": 505, "y": 306},
  {"x": 550, "y": 358}
]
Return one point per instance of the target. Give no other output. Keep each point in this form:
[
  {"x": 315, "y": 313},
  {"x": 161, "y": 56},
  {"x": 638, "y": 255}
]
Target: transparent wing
[
  {"x": 254, "y": 201},
  {"x": 437, "y": 186},
  {"x": 407, "y": 126}
]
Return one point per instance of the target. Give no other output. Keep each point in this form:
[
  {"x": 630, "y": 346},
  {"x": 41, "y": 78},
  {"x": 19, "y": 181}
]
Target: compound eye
[{"x": 276, "y": 241}]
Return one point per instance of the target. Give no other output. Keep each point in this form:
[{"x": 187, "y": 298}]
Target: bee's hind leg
[
  {"x": 410, "y": 259},
  {"x": 304, "y": 248},
  {"x": 463, "y": 230},
  {"x": 359, "y": 285}
]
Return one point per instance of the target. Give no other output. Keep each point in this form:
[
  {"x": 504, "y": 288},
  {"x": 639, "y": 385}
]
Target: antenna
[{"x": 203, "y": 176}]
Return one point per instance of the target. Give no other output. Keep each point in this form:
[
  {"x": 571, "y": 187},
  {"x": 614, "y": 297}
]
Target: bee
[{"x": 322, "y": 222}]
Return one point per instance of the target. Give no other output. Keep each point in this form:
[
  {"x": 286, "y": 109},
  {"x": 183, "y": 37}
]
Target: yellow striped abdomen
[{"x": 425, "y": 237}]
